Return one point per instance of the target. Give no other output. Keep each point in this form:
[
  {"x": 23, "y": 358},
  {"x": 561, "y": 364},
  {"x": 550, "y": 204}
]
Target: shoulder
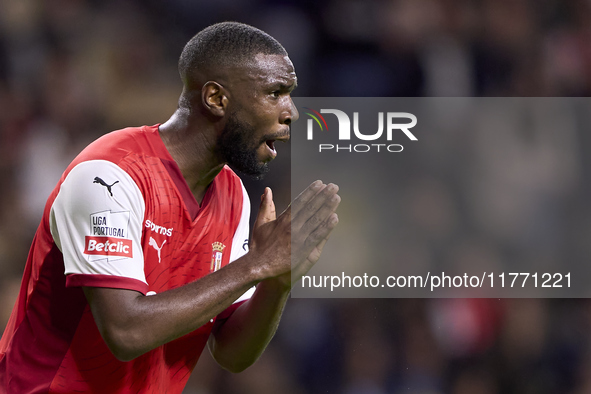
[
  {"x": 118, "y": 144},
  {"x": 98, "y": 183},
  {"x": 228, "y": 173},
  {"x": 126, "y": 148},
  {"x": 102, "y": 167},
  {"x": 232, "y": 182}
]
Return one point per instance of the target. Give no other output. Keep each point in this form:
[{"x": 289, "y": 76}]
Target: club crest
[{"x": 216, "y": 256}]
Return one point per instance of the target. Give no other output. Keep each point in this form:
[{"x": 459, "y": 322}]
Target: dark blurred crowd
[{"x": 72, "y": 70}]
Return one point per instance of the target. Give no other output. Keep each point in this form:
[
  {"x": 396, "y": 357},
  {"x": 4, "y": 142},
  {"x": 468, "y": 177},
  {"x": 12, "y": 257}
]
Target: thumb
[{"x": 266, "y": 210}]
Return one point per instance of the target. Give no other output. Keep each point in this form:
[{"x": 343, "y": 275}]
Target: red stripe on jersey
[{"x": 115, "y": 282}]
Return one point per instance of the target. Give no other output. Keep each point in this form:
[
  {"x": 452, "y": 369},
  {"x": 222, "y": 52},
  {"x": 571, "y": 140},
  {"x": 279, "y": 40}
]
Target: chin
[{"x": 255, "y": 172}]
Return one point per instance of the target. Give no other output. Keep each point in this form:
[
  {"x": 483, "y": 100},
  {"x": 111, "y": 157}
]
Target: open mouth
[{"x": 272, "y": 139}]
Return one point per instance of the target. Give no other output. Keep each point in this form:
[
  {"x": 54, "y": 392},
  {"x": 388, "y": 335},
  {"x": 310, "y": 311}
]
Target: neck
[{"x": 191, "y": 144}]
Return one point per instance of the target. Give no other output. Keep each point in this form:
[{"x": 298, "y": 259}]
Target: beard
[{"x": 238, "y": 147}]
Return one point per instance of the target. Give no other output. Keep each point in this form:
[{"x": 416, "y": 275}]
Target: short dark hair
[{"x": 226, "y": 44}]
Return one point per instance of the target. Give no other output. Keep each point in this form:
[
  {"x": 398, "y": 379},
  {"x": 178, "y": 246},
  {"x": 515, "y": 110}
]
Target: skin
[{"x": 258, "y": 95}]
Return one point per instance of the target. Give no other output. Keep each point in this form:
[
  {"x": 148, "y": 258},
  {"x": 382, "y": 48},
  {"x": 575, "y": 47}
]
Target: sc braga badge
[{"x": 216, "y": 256}]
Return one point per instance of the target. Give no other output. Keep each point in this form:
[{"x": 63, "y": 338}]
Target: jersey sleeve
[
  {"x": 239, "y": 249},
  {"x": 241, "y": 236},
  {"x": 96, "y": 222}
]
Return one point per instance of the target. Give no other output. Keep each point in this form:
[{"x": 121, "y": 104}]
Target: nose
[{"x": 291, "y": 114}]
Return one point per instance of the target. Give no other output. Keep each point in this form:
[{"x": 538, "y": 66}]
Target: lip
[
  {"x": 283, "y": 136},
  {"x": 270, "y": 140},
  {"x": 270, "y": 146}
]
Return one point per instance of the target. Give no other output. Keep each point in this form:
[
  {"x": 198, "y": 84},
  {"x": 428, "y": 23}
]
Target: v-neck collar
[{"x": 192, "y": 206}]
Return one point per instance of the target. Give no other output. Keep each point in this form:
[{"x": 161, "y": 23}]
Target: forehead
[{"x": 271, "y": 69}]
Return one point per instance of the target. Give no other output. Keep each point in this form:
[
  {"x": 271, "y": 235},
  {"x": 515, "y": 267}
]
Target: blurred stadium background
[{"x": 72, "y": 70}]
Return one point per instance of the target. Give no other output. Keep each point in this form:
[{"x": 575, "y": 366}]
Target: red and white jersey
[{"x": 122, "y": 216}]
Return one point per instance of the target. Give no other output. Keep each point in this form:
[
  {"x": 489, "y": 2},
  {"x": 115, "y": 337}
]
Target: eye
[{"x": 276, "y": 93}]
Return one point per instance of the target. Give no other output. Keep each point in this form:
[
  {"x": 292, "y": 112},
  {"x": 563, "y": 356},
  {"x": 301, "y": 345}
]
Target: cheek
[{"x": 261, "y": 127}]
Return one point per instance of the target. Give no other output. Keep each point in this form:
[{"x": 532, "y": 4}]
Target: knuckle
[{"x": 314, "y": 221}]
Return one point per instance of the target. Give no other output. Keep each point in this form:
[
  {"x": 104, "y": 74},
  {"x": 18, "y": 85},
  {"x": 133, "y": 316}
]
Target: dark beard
[{"x": 238, "y": 148}]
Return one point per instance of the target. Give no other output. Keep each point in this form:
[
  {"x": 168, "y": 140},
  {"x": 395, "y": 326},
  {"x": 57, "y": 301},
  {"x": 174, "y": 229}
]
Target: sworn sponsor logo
[
  {"x": 159, "y": 229},
  {"x": 108, "y": 246},
  {"x": 216, "y": 256}
]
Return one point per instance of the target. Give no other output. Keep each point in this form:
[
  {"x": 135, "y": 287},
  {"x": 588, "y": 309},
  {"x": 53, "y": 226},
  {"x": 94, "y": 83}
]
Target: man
[{"x": 144, "y": 223}]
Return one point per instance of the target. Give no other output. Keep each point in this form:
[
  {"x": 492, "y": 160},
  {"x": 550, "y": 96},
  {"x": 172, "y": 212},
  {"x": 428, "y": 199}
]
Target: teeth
[{"x": 271, "y": 145}]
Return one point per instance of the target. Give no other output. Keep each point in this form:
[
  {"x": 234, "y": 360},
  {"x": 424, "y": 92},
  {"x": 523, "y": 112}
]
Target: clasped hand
[{"x": 290, "y": 245}]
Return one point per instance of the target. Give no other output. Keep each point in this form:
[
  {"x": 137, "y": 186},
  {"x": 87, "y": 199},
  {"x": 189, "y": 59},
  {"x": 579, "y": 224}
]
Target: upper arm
[
  {"x": 112, "y": 310},
  {"x": 96, "y": 221}
]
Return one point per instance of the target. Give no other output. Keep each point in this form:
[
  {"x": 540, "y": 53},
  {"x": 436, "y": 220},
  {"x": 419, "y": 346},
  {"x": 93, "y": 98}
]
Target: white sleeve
[
  {"x": 240, "y": 240},
  {"x": 96, "y": 222},
  {"x": 241, "y": 236}
]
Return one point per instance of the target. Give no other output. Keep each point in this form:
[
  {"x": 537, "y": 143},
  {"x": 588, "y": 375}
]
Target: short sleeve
[
  {"x": 241, "y": 238},
  {"x": 96, "y": 222}
]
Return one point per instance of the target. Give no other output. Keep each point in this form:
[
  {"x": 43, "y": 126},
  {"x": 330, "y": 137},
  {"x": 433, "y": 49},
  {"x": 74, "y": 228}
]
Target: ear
[{"x": 214, "y": 98}]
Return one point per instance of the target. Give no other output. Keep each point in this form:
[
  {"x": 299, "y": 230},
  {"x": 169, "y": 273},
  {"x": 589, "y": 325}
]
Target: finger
[
  {"x": 317, "y": 209},
  {"x": 266, "y": 212},
  {"x": 298, "y": 270},
  {"x": 321, "y": 215},
  {"x": 312, "y": 258},
  {"x": 322, "y": 232},
  {"x": 302, "y": 199},
  {"x": 306, "y": 196},
  {"x": 303, "y": 249}
]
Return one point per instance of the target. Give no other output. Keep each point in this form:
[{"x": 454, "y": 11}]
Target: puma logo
[
  {"x": 155, "y": 246},
  {"x": 101, "y": 182}
]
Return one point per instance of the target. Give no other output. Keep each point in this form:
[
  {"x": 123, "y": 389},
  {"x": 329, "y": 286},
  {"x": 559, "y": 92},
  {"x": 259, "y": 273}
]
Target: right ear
[{"x": 214, "y": 98}]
